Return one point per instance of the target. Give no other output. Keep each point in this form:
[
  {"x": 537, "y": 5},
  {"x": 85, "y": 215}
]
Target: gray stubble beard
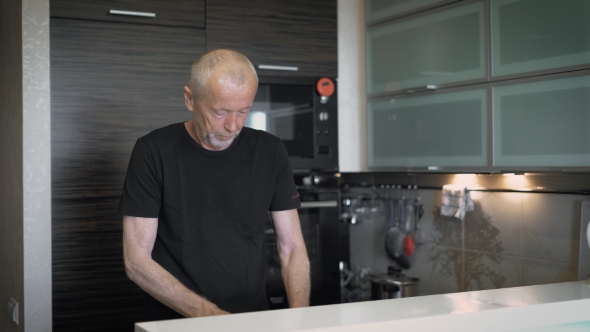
[{"x": 211, "y": 140}]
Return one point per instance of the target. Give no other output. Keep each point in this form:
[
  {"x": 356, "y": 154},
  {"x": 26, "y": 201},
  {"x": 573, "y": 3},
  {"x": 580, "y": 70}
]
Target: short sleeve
[
  {"x": 285, "y": 196},
  {"x": 141, "y": 196}
]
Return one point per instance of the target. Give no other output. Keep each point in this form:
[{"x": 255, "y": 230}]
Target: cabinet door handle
[
  {"x": 318, "y": 204},
  {"x": 423, "y": 88},
  {"x": 131, "y": 13},
  {"x": 273, "y": 67}
]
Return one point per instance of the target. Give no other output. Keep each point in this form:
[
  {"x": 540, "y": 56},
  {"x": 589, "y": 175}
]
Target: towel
[{"x": 456, "y": 200}]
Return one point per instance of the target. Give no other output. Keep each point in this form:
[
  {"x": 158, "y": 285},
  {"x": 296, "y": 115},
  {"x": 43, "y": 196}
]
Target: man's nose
[{"x": 232, "y": 123}]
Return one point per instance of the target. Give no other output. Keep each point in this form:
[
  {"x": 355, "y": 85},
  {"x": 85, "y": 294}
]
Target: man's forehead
[
  {"x": 227, "y": 84},
  {"x": 236, "y": 76}
]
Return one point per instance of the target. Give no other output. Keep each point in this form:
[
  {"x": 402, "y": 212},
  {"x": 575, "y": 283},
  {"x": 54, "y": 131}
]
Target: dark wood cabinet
[
  {"x": 110, "y": 84},
  {"x": 181, "y": 13},
  {"x": 299, "y": 33},
  {"x": 116, "y": 78}
]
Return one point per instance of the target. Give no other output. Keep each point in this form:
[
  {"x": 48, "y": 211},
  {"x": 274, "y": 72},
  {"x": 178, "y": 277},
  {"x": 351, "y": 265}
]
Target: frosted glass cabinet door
[
  {"x": 437, "y": 130},
  {"x": 530, "y": 35},
  {"x": 444, "y": 47},
  {"x": 378, "y": 9},
  {"x": 544, "y": 123}
]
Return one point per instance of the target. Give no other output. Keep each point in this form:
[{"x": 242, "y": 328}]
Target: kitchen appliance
[
  {"x": 326, "y": 240},
  {"x": 393, "y": 285},
  {"x": 302, "y": 112}
]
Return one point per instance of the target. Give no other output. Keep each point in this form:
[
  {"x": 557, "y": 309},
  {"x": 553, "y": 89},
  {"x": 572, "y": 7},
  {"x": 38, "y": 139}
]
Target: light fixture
[{"x": 465, "y": 180}]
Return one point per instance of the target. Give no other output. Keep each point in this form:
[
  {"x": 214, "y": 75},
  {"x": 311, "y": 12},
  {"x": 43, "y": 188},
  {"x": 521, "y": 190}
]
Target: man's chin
[{"x": 220, "y": 144}]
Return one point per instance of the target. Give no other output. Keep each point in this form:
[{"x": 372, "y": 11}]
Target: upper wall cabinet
[
  {"x": 443, "y": 47},
  {"x": 294, "y": 38},
  {"x": 376, "y": 10},
  {"x": 543, "y": 123},
  {"x": 180, "y": 13},
  {"x": 532, "y": 35},
  {"x": 434, "y": 130}
]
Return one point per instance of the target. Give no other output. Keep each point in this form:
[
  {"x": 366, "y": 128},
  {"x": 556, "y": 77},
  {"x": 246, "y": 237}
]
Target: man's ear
[{"x": 188, "y": 99}]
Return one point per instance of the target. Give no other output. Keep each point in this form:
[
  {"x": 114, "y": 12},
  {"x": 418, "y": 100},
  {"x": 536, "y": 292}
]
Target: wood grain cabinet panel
[
  {"x": 182, "y": 13},
  {"x": 111, "y": 83},
  {"x": 273, "y": 32}
]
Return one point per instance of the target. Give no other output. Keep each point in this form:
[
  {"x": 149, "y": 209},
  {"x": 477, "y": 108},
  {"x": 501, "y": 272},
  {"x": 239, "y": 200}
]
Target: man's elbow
[
  {"x": 131, "y": 268},
  {"x": 128, "y": 269},
  {"x": 296, "y": 252}
]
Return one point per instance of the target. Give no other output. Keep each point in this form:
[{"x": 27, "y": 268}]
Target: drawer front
[{"x": 182, "y": 13}]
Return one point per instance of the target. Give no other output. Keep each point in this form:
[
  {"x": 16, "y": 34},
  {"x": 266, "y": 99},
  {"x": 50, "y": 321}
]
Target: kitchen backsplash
[{"x": 510, "y": 239}]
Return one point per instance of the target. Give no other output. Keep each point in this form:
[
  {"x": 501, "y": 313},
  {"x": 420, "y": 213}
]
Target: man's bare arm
[
  {"x": 293, "y": 255},
  {"x": 139, "y": 236}
]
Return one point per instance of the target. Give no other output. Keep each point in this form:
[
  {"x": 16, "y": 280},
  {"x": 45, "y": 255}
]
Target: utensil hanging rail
[{"x": 386, "y": 186}]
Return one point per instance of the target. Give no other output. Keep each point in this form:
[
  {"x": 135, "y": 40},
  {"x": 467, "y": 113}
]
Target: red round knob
[{"x": 325, "y": 87}]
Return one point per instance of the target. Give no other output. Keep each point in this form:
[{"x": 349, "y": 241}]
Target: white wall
[
  {"x": 352, "y": 102},
  {"x": 25, "y": 174},
  {"x": 36, "y": 166}
]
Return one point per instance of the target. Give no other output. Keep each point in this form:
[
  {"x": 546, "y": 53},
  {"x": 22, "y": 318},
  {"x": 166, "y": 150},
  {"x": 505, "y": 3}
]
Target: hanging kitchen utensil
[
  {"x": 419, "y": 236},
  {"x": 394, "y": 239},
  {"x": 409, "y": 245},
  {"x": 401, "y": 211},
  {"x": 401, "y": 259},
  {"x": 392, "y": 246},
  {"x": 409, "y": 217},
  {"x": 409, "y": 228},
  {"x": 420, "y": 211}
]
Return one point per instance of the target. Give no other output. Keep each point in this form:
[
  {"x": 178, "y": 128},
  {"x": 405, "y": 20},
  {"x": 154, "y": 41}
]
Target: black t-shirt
[{"x": 211, "y": 208}]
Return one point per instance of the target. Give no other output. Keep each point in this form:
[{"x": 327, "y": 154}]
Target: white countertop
[{"x": 507, "y": 309}]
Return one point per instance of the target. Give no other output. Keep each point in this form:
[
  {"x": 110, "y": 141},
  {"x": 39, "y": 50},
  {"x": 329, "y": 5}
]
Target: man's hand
[
  {"x": 139, "y": 236},
  {"x": 293, "y": 255}
]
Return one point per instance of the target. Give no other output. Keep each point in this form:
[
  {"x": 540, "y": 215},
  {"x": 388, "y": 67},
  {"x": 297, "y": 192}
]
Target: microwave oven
[{"x": 292, "y": 109}]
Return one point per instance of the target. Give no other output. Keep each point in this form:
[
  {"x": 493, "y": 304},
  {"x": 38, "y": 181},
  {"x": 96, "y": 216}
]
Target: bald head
[
  {"x": 222, "y": 64},
  {"x": 220, "y": 93}
]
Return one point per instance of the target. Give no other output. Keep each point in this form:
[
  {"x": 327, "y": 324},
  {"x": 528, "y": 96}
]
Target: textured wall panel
[{"x": 36, "y": 166}]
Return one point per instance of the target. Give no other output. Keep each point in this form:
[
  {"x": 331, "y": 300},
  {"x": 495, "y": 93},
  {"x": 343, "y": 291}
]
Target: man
[{"x": 196, "y": 197}]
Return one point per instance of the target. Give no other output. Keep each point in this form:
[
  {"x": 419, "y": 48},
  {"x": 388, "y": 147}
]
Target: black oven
[
  {"x": 292, "y": 109},
  {"x": 326, "y": 239}
]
